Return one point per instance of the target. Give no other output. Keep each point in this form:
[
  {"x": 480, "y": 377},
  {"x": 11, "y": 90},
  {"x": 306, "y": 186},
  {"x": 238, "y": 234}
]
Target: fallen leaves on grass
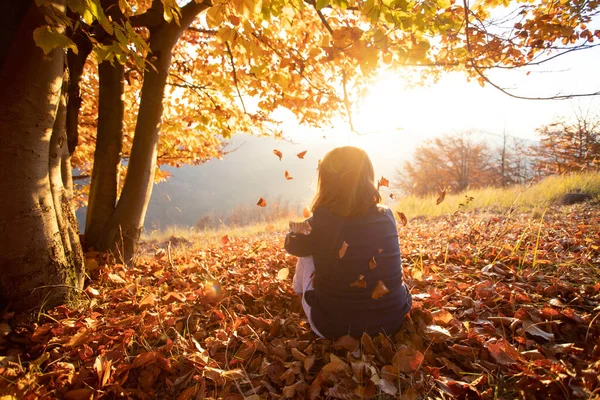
[{"x": 221, "y": 322}]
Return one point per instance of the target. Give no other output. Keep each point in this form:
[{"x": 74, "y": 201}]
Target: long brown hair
[{"x": 346, "y": 182}]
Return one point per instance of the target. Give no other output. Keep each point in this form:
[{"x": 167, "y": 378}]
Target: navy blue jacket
[{"x": 337, "y": 308}]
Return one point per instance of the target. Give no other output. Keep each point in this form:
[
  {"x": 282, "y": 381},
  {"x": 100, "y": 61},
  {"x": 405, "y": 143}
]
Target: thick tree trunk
[
  {"x": 35, "y": 270},
  {"x": 107, "y": 156},
  {"x": 11, "y": 17}
]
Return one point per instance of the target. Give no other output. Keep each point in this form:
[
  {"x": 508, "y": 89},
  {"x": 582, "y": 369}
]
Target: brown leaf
[
  {"x": 380, "y": 290},
  {"x": 380, "y": 251},
  {"x": 146, "y": 302},
  {"x": 288, "y": 176},
  {"x": 503, "y": 352},
  {"x": 442, "y": 317},
  {"x": 79, "y": 339},
  {"x": 343, "y": 249},
  {"x": 359, "y": 283},
  {"x": 174, "y": 296},
  {"x": 79, "y": 394},
  {"x": 383, "y": 182},
  {"x": 225, "y": 239},
  {"x": 441, "y": 196},
  {"x": 372, "y": 263},
  {"x": 309, "y": 362},
  {"x": 278, "y": 154},
  {"x": 407, "y": 359},
  {"x": 306, "y": 213},
  {"x": 301, "y": 154},
  {"x": 144, "y": 359},
  {"x": 346, "y": 342},
  {"x": 261, "y": 202},
  {"x": 402, "y": 217},
  {"x": 437, "y": 333}
]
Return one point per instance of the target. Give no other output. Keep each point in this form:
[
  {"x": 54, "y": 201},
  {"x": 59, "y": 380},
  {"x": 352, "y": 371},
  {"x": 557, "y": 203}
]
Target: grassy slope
[{"x": 523, "y": 197}]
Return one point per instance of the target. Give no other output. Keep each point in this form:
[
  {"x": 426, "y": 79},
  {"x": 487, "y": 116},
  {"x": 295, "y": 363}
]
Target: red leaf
[
  {"x": 261, "y": 202},
  {"x": 407, "y": 359},
  {"x": 225, "y": 239},
  {"x": 441, "y": 196},
  {"x": 288, "y": 176},
  {"x": 301, "y": 154},
  {"x": 383, "y": 182},
  {"x": 278, "y": 154}
]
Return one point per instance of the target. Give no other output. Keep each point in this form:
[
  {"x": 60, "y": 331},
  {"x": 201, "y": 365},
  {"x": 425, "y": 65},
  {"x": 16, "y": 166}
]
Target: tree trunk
[
  {"x": 107, "y": 156},
  {"x": 11, "y": 17},
  {"x": 35, "y": 269}
]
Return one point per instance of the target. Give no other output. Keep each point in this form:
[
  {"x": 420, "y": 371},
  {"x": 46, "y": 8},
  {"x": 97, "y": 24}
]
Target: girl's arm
[{"x": 300, "y": 244}]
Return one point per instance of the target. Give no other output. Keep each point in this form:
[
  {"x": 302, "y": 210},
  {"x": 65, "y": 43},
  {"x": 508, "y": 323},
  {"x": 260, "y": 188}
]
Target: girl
[{"x": 349, "y": 268}]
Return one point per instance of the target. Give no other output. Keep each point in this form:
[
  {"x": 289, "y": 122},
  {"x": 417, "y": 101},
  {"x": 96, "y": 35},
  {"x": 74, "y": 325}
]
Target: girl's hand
[{"x": 302, "y": 228}]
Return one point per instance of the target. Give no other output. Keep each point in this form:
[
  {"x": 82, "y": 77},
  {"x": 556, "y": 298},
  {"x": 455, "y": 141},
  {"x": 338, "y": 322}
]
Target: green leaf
[
  {"x": 48, "y": 39},
  {"x": 321, "y": 4}
]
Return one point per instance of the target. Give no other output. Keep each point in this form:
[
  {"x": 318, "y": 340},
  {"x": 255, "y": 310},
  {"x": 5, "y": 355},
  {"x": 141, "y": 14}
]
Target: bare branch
[{"x": 235, "y": 80}]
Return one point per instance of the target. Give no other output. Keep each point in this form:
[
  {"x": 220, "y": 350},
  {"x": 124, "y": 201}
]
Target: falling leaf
[
  {"x": 288, "y": 176},
  {"x": 441, "y": 196},
  {"x": 372, "y": 263},
  {"x": 278, "y": 154},
  {"x": 380, "y": 290},
  {"x": 301, "y": 154},
  {"x": 383, "y": 182},
  {"x": 343, "y": 249},
  {"x": 402, "y": 217},
  {"x": 261, "y": 202},
  {"x": 359, "y": 283},
  {"x": 225, "y": 239},
  {"x": 283, "y": 274},
  {"x": 392, "y": 196},
  {"x": 306, "y": 213},
  {"x": 380, "y": 251}
]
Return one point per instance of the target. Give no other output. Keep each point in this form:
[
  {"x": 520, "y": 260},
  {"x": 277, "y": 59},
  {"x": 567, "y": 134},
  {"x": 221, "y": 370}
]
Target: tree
[
  {"x": 242, "y": 60},
  {"x": 451, "y": 161},
  {"x": 569, "y": 144},
  {"x": 513, "y": 164}
]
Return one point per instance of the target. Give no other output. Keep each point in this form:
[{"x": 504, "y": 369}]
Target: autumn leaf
[
  {"x": 301, "y": 154},
  {"x": 402, "y": 217},
  {"x": 278, "y": 154},
  {"x": 346, "y": 342},
  {"x": 306, "y": 212},
  {"x": 224, "y": 239},
  {"x": 283, "y": 273},
  {"x": 372, "y": 263},
  {"x": 383, "y": 182},
  {"x": 407, "y": 360},
  {"x": 380, "y": 290},
  {"x": 146, "y": 302},
  {"x": 441, "y": 196},
  {"x": 288, "y": 176},
  {"x": 359, "y": 283},
  {"x": 379, "y": 250},
  {"x": 261, "y": 202},
  {"x": 343, "y": 249}
]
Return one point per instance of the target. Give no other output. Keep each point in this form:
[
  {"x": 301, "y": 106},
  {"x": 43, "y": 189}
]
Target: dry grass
[{"x": 522, "y": 197}]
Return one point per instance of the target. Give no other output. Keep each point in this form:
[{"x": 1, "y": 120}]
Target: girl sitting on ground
[{"x": 349, "y": 269}]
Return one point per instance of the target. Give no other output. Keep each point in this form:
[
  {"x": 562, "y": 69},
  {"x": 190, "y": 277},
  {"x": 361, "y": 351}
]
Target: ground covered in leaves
[{"x": 505, "y": 306}]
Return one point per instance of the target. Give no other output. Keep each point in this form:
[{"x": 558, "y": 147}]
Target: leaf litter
[{"x": 499, "y": 311}]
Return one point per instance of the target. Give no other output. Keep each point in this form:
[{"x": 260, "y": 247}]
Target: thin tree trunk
[
  {"x": 34, "y": 269},
  {"x": 124, "y": 226},
  {"x": 107, "y": 156},
  {"x": 76, "y": 63}
]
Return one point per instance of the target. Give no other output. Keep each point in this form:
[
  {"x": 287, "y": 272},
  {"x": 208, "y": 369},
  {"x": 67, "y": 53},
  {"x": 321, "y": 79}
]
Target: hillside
[{"x": 505, "y": 306}]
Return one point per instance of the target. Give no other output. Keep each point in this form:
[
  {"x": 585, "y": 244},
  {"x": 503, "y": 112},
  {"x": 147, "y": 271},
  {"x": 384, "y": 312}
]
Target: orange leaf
[
  {"x": 372, "y": 263},
  {"x": 301, "y": 154},
  {"x": 278, "y": 154},
  {"x": 407, "y": 359},
  {"x": 144, "y": 358},
  {"x": 402, "y": 217},
  {"x": 360, "y": 283},
  {"x": 306, "y": 213},
  {"x": 174, "y": 296},
  {"x": 380, "y": 251},
  {"x": 225, "y": 239},
  {"x": 441, "y": 196},
  {"x": 288, "y": 176},
  {"x": 270, "y": 228},
  {"x": 380, "y": 290},
  {"x": 343, "y": 249},
  {"x": 383, "y": 182},
  {"x": 146, "y": 302},
  {"x": 261, "y": 202}
]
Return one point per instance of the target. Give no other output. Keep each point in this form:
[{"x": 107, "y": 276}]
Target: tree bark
[
  {"x": 11, "y": 17},
  {"x": 107, "y": 156},
  {"x": 35, "y": 270}
]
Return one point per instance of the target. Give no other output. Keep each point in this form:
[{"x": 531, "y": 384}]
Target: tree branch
[{"x": 235, "y": 80}]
